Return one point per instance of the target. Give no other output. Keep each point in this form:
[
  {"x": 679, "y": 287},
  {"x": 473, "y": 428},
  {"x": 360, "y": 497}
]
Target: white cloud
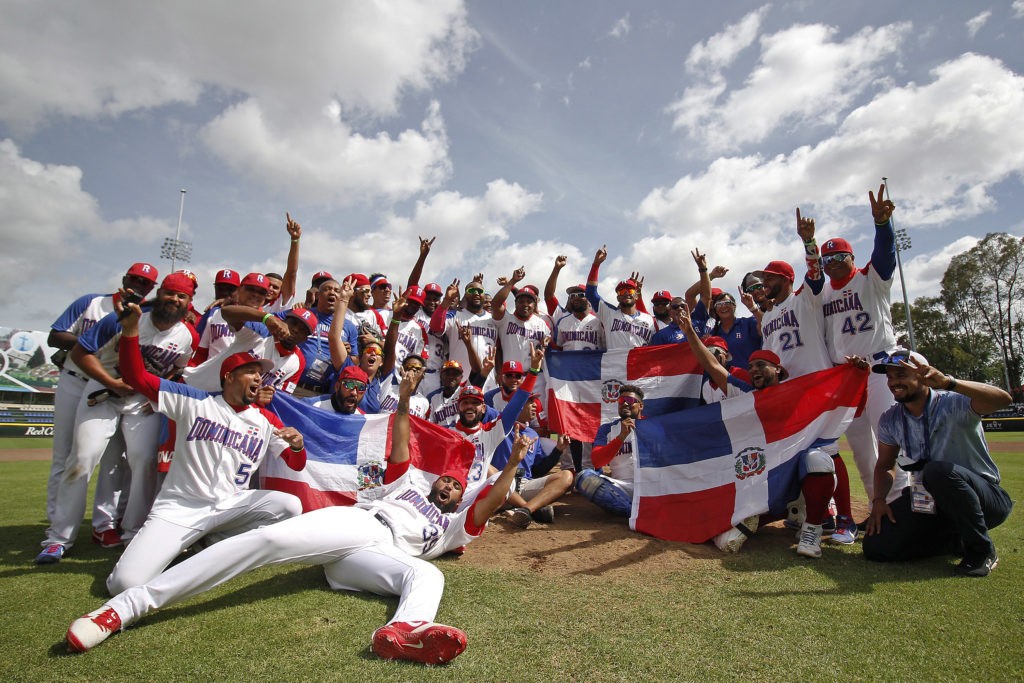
[
  {"x": 282, "y": 65},
  {"x": 1018, "y": 9},
  {"x": 323, "y": 160},
  {"x": 923, "y": 272},
  {"x": 621, "y": 28},
  {"x": 48, "y": 220},
  {"x": 719, "y": 51},
  {"x": 804, "y": 77},
  {"x": 975, "y": 23}
]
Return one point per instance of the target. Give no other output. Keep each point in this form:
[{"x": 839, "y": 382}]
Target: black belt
[
  {"x": 75, "y": 374},
  {"x": 310, "y": 387},
  {"x": 380, "y": 518}
]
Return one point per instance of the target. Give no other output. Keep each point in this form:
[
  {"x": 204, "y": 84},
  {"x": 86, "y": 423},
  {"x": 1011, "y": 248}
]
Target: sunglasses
[
  {"x": 897, "y": 358},
  {"x": 577, "y": 295},
  {"x": 725, "y": 302},
  {"x": 628, "y": 400},
  {"x": 753, "y": 288},
  {"x": 474, "y": 290},
  {"x": 351, "y": 384},
  {"x": 676, "y": 307},
  {"x": 626, "y": 290},
  {"x": 834, "y": 258},
  {"x": 371, "y": 352}
]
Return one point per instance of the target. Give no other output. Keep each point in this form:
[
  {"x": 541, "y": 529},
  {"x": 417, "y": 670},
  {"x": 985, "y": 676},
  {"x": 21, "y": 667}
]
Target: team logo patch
[
  {"x": 610, "y": 390},
  {"x": 750, "y": 462},
  {"x": 370, "y": 474}
]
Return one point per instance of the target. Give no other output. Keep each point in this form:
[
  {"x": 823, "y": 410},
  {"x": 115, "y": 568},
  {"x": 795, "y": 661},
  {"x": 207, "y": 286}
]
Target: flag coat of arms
[
  {"x": 346, "y": 454},
  {"x": 700, "y": 471},
  {"x": 583, "y": 386}
]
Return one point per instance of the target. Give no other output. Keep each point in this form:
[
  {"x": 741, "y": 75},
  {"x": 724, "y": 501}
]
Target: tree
[
  {"x": 982, "y": 290},
  {"x": 961, "y": 352}
]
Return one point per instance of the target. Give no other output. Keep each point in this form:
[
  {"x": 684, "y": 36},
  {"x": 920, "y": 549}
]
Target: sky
[{"x": 510, "y": 131}]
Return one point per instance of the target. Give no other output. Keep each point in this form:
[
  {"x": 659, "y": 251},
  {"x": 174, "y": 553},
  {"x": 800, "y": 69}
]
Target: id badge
[
  {"x": 316, "y": 370},
  {"x": 921, "y": 500}
]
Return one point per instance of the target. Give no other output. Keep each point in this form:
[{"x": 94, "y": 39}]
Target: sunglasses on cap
[
  {"x": 474, "y": 290},
  {"x": 756, "y": 287},
  {"x": 628, "y": 400},
  {"x": 834, "y": 258},
  {"x": 351, "y": 384}
]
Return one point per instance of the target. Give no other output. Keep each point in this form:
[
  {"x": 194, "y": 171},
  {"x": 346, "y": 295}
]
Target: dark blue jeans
[{"x": 968, "y": 506}]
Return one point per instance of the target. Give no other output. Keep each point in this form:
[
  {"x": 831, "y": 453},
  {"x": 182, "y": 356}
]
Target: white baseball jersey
[
  {"x": 487, "y": 436},
  {"x": 621, "y": 331},
  {"x": 794, "y": 330},
  {"x": 215, "y": 334},
  {"x": 255, "y": 339},
  {"x": 278, "y": 305},
  {"x": 78, "y": 318},
  {"x": 485, "y": 335},
  {"x": 216, "y": 451},
  {"x": 622, "y": 465},
  {"x": 387, "y": 392},
  {"x": 368, "y": 320},
  {"x": 516, "y": 336},
  {"x": 569, "y": 333},
  {"x": 444, "y": 411},
  {"x": 412, "y": 340}
]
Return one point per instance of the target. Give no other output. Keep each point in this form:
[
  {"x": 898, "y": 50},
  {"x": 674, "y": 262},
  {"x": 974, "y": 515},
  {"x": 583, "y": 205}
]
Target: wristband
[
  {"x": 295, "y": 241},
  {"x": 534, "y": 371},
  {"x": 296, "y": 450},
  {"x": 951, "y": 383},
  {"x": 702, "y": 270},
  {"x": 268, "y": 315},
  {"x": 594, "y": 270},
  {"x": 395, "y": 322}
]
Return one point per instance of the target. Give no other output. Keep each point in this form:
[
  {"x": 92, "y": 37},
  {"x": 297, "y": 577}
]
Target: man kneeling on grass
[{"x": 378, "y": 546}]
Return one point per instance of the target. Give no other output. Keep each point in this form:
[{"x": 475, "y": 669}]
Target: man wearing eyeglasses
[
  {"x": 349, "y": 389},
  {"x": 448, "y": 319},
  {"x": 671, "y": 333},
  {"x": 574, "y": 326},
  {"x": 934, "y": 431},
  {"x": 858, "y": 322}
]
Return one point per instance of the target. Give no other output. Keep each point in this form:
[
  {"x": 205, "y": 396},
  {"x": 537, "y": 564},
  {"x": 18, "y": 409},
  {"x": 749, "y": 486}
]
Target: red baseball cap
[
  {"x": 358, "y": 279},
  {"x": 319, "y": 276},
  {"x": 433, "y": 288},
  {"x": 179, "y": 282},
  {"x": 228, "y": 277},
  {"x": 529, "y": 290},
  {"x": 512, "y": 366},
  {"x": 780, "y": 268},
  {"x": 143, "y": 270},
  {"x": 471, "y": 393},
  {"x": 306, "y": 316},
  {"x": 416, "y": 294},
  {"x": 457, "y": 474},
  {"x": 451, "y": 365},
  {"x": 576, "y": 288},
  {"x": 353, "y": 372},
  {"x": 662, "y": 295},
  {"x": 717, "y": 342},
  {"x": 836, "y": 245},
  {"x": 627, "y": 284},
  {"x": 764, "y": 354},
  {"x": 237, "y": 360},
  {"x": 715, "y": 291},
  {"x": 257, "y": 280}
]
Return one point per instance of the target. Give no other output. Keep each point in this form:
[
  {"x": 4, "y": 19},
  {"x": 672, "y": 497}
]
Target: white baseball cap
[{"x": 894, "y": 359}]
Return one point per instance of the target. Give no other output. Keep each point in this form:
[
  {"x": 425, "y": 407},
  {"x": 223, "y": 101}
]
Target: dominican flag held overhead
[
  {"x": 583, "y": 386},
  {"x": 701, "y": 471},
  {"x": 346, "y": 454}
]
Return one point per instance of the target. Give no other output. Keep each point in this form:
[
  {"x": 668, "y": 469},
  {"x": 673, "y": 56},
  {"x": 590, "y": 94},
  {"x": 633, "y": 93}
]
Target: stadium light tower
[
  {"x": 176, "y": 249},
  {"x": 902, "y": 244}
]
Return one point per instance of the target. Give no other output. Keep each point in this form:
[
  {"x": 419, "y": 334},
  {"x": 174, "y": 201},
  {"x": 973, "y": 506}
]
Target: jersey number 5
[{"x": 242, "y": 475}]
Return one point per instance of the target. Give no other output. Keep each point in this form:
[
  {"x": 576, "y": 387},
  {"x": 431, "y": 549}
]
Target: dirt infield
[{"x": 16, "y": 454}]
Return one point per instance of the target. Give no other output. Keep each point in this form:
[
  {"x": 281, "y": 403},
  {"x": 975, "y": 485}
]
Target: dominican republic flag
[
  {"x": 583, "y": 386},
  {"x": 701, "y": 471},
  {"x": 348, "y": 453}
]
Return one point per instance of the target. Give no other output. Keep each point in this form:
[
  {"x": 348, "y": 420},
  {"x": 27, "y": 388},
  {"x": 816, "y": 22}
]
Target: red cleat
[
  {"x": 423, "y": 641},
  {"x": 107, "y": 539},
  {"x": 90, "y": 630}
]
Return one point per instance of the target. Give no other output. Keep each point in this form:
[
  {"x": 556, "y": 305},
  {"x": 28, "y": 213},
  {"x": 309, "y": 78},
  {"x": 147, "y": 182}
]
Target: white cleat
[
  {"x": 810, "y": 541},
  {"x": 90, "y": 630}
]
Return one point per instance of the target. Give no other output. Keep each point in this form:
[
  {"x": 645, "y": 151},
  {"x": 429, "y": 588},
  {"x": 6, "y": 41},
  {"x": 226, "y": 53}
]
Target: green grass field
[{"x": 762, "y": 614}]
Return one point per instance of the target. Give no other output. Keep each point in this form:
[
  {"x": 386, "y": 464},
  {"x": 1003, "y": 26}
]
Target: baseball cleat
[
  {"x": 545, "y": 515},
  {"x": 90, "y": 630},
  {"x": 107, "y": 539},
  {"x": 978, "y": 565},
  {"x": 421, "y": 641},
  {"x": 52, "y": 554},
  {"x": 810, "y": 541}
]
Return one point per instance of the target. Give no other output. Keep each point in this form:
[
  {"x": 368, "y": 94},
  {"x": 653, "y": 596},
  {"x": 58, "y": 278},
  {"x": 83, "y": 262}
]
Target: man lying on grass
[{"x": 378, "y": 546}]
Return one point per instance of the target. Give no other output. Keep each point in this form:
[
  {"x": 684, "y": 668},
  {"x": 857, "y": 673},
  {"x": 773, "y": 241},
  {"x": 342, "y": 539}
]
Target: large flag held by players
[
  {"x": 701, "y": 471},
  {"x": 583, "y": 386},
  {"x": 347, "y": 453}
]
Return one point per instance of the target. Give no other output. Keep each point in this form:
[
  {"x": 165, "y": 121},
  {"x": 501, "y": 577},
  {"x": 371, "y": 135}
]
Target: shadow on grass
[{"x": 23, "y": 545}]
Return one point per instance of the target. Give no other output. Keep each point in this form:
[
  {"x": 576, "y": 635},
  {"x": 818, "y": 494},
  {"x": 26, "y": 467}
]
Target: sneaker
[
  {"x": 107, "y": 539},
  {"x": 977, "y": 565},
  {"x": 457, "y": 552},
  {"x": 545, "y": 515},
  {"x": 846, "y": 531},
  {"x": 421, "y": 641},
  {"x": 732, "y": 540},
  {"x": 90, "y": 630},
  {"x": 51, "y": 554},
  {"x": 829, "y": 525},
  {"x": 520, "y": 517},
  {"x": 810, "y": 541}
]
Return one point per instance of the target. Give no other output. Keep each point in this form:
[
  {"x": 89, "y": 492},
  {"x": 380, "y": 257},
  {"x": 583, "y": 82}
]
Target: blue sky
[{"x": 511, "y": 131}]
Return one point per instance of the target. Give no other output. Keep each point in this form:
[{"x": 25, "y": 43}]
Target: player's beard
[
  {"x": 167, "y": 313},
  {"x": 450, "y": 506}
]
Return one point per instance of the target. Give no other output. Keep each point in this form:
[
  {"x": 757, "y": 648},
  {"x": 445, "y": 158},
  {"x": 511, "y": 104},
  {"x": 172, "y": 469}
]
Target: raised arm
[
  {"x": 815, "y": 277},
  {"x": 129, "y": 356},
  {"x": 498, "y": 300},
  {"x": 401, "y": 427},
  {"x": 417, "y": 270},
  {"x": 707, "y": 360},
  {"x": 451, "y": 298},
  {"x": 237, "y": 315},
  {"x": 336, "y": 335},
  {"x": 883, "y": 254},
  {"x": 595, "y": 273},
  {"x": 391, "y": 338},
  {"x": 702, "y": 286},
  {"x": 495, "y": 497},
  {"x": 550, "y": 287},
  {"x": 291, "y": 270}
]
